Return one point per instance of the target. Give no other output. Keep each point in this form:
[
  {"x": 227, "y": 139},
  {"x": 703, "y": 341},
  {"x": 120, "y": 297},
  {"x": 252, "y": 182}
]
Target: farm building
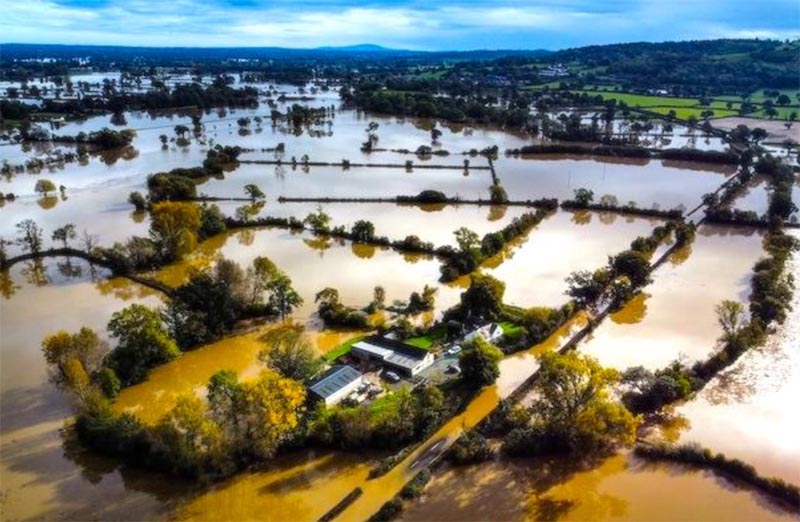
[
  {"x": 489, "y": 332},
  {"x": 406, "y": 359},
  {"x": 336, "y": 384}
]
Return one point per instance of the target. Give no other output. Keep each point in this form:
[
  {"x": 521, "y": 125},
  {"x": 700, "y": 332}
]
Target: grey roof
[
  {"x": 334, "y": 380},
  {"x": 394, "y": 352}
]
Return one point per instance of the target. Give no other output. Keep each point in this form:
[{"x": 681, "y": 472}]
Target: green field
[
  {"x": 342, "y": 349},
  {"x": 687, "y": 107}
]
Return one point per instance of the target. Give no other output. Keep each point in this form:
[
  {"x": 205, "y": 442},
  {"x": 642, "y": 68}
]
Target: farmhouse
[
  {"x": 336, "y": 384},
  {"x": 489, "y": 332},
  {"x": 406, "y": 359}
]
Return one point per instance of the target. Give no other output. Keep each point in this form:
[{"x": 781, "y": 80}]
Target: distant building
[
  {"x": 404, "y": 358},
  {"x": 336, "y": 384},
  {"x": 489, "y": 332},
  {"x": 554, "y": 71}
]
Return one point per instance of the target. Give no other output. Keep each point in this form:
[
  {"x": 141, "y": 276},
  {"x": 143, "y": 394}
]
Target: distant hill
[{"x": 169, "y": 55}]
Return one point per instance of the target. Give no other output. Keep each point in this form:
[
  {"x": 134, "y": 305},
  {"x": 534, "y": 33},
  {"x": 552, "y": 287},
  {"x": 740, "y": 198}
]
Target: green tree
[
  {"x": 290, "y": 353},
  {"x": 635, "y": 265},
  {"x": 142, "y": 342},
  {"x": 138, "y": 201},
  {"x": 29, "y": 236},
  {"x": 466, "y": 239},
  {"x": 362, "y": 231},
  {"x": 253, "y": 192},
  {"x": 319, "y": 221},
  {"x": 282, "y": 296},
  {"x": 583, "y": 196},
  {"x": 44, "y": 187},
  {"x": 64, "y": 234},
  {"x": 731, "y": 317},
  {"x": 479, "y": 363},
  {"x": 483, "y": 299}
]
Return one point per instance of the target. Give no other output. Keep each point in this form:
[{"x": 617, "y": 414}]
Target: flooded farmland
[
  {"x": 674, "y": 317},
  {"x": 45, "y": 475}
]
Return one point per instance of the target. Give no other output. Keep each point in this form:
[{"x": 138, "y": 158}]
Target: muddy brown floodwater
[
  {"x": 46, "y": 476},
  {"x": 620, "y": 487},
  {"x": 674, "y": 316}
]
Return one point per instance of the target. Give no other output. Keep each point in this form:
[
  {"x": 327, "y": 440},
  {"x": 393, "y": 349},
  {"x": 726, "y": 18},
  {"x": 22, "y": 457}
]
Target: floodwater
[
  {"x": 646, "y": 182},
  {"x": 674, "y": 316},
  {"x": 745, "y": 412},
  {"x": 43, "y": 476},
  {"x": 294, "y": 487},
  {"x": 314, "y": 263},
  {"x": 620, "y": 487},
  {"x": 535, "y": 267}
]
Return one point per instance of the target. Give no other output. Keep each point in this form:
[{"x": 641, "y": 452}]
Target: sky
[{"x": 406, "y": 24}]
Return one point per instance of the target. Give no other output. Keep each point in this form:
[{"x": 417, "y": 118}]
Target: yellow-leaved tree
[{"x": 174, "y": 227}]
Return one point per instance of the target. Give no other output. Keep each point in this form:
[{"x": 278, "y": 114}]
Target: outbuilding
[
  {"x": 404, "y": 358},
  {"x": 336, "y": 384}
]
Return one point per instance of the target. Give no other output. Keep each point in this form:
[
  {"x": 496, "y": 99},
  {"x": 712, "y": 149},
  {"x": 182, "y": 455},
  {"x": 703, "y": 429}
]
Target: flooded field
[
  {"x": 314, "y": 263},
  {"x": 745, "y": 411},
  {"x": 621, "y": 487},
  {"x": 646, "y": 182},
  {"x": 534, "y": 268},
  {"x": 43, "y": 475},
  {"x": 674, "y": 316}
]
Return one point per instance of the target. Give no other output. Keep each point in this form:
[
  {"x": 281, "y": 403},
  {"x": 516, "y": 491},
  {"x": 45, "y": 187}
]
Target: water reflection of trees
[
  {"x": 497, "y": 212},
  {"x": 35, "y": 272}
]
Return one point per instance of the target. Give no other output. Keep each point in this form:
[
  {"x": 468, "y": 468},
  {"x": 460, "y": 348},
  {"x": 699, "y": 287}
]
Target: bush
[
  {"x": 471, "y": 447},
  {"x": 389, "y": 511},
  {"x": 415, "y": 486}
]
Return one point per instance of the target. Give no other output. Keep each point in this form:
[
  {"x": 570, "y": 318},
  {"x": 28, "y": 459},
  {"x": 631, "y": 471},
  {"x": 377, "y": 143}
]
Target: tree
[
  {"x": 29, "y": 236},
  {"x": 319, "y": 221},
  {"x": 484, "y": 298},
  {"x": 573, "y": 408},
  {"x": 283, "y": 297},
  {"x": 64, "y": 234},
  {"x": 634, "y": 265},
  {"x": 163, "y": 138},
  {"x": 137, "y": 200},
  {"x": 731, "y": 317},
  {"x": 253, "y": 192},
  {"x": 586, "y": 287},
  {"x": 435, "y": 135},
  {"x": 174, "y": 226},
  {"x": 45, "y": 187},
  {"x": 479, "y": 363},
  {"x": 142, "y": 342},
  {"x": 466, "y": 239},
  {"x": 362, "y": 231},
  {"x": 256, "y": 416},
  {"x": 194, "y": 441},
  {"x": 583, "y": 196},
  {"x": 378, "y": 298},
  {"x": 181, "y": 130},
  {"x": 62, "y": 350},
  {"x": 290, "y": 353}
]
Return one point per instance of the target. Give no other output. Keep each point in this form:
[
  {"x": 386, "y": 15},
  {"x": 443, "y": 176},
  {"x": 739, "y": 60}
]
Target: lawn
[
  {"x": 431, "y": 336},
  {"x": 342, "y": 349},
  {"x": 510, "y": 329}
]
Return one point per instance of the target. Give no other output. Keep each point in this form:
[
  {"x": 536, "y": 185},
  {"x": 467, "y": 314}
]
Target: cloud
[{"x": 446, "y": 24}]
